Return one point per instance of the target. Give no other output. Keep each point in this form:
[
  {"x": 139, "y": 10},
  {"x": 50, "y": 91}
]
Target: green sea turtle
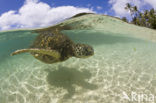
[{"x": 50, "y": 48}]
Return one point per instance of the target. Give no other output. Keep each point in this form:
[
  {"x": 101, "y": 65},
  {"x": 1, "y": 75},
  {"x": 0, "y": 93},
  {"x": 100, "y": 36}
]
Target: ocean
[{"x": 122, "y": 69}]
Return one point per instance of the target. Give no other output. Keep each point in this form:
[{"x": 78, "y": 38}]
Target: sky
[{"x": 16, "y": 14}]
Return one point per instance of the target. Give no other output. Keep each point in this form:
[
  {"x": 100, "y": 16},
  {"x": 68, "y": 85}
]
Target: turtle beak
[{"x": 90, "y": 52}]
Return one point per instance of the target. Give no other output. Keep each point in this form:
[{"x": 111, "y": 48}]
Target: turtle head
[{"x": 83, "y": 50}]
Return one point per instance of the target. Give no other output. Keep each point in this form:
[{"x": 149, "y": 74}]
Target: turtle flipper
[{"x": 52, "y": 53}]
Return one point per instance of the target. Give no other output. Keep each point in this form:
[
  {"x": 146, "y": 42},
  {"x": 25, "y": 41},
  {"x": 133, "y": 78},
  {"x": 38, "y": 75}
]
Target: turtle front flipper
[{"x": 52, "y": 53}]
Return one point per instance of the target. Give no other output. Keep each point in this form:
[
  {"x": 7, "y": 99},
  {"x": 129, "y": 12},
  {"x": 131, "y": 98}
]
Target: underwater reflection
[{"x": 67, "y": 77}]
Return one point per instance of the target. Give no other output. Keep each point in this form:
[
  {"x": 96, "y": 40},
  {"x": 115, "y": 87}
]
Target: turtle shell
[{"x": 49, "y": 41}]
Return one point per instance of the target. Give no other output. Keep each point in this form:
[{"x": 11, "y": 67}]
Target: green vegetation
[{"x": 146, "y": 18}]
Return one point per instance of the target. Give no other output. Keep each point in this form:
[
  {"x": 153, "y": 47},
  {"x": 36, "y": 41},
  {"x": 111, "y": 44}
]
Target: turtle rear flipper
[{"x": 52, "y": 53}]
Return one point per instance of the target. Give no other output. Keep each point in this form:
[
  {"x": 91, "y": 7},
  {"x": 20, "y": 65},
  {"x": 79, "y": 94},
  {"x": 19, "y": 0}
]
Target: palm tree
[
  {"x": 135, "y": 10},
  {"x": 146, "y": 18},
  {"x": 124, "y": 19},
  {"x": 129, "y": 8},
  {"x": 146, "y": 14},
  {"x": 134, "y": 20},
  {"x": 152, "y": 12},
  {"x": 137, "y": 21},
  {"x": 143, "y": 22},
  {"x": 152, "y": 19}
]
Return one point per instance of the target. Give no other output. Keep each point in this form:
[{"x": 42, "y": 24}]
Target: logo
[{"x": 138, "y": 97}]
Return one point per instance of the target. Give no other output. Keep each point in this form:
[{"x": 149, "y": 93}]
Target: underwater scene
[{"x": 122, "y": 69}]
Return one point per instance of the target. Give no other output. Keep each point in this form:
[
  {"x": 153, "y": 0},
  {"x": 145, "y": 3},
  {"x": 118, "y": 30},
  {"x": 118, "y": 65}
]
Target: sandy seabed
[{"x": 114, "y": 70}]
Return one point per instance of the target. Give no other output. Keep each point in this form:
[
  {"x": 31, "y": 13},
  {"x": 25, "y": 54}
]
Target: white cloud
[
  {"x": 119, "y": 5},
  {"x": 152, "y": 3},
  {"x": 98, "y": 7},
  {"x": 89, "y": 5},
  {"x": 37, "y": 14},
  {"x": 28, "y": 1}
]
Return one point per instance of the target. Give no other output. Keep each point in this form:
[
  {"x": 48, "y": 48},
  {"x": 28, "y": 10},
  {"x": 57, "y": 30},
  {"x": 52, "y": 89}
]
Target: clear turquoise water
[{"x": 122, "y": 64}]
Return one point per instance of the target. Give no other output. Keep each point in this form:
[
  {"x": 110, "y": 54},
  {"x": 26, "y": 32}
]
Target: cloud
[
  {"x": 98, "y": 7},
  {"x": 119, "y": 5},
  {"x": 37, "y": 14},
  {"x": 89, "y": 5},
  {"x": 152, "y": 3},
  {"x": 28, "y": 1}
]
